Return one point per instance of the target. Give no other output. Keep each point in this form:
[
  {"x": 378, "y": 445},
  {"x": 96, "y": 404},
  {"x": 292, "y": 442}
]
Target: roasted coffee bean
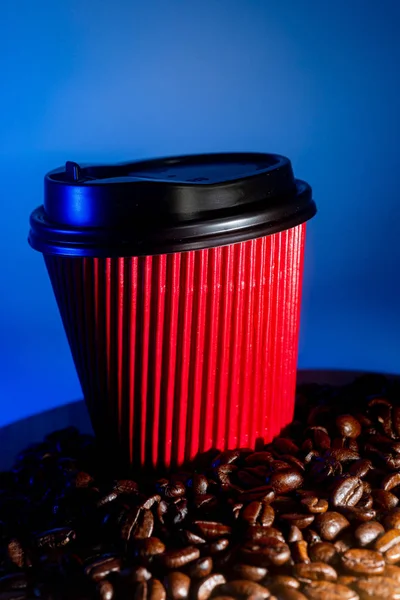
[
  {"x": 387, "y": 540},
  {"x": 257, "y": 533},
  {"x": 288, "y": 593},
  {"x": 390, "y": 481},
  {"x": 323, "y": 552},
  {"x": 190, "y": 538},
  {"x": 200, "y": 567},
  {"x": 328, "y": 590},
  {"x": 392, "y": 556},
  {"x": 150, "y": 501},
  {"x": 392, "y": 572},
  {"x": 105, "y": 590},
  {"x": 135, "y": 574},
  {"x": 311, "y": 536},
  {"x": 315, "y": 505},
  {"x": 361, "y": 561},
  {"x": 264, "y": 494},
  {"x": 156, "y": 590},
  {"x": 200, "y": 484},
  {"x": 275, "y": 582},
  {"x": 270, "y": 552},
  {"x": 203, "y": 589},
  {"x": 259, "y": 458},
  {"x": 252, "y": 512},
  {"x": 299, "y": 520},
  {"x": 149, "y": 547},
  {"x": 177, "y": 585},
  {"x": 251, "y": 572},
  {"x": 141, "y": 591},
  {"x": 348, "y": 426},
  {"x": 285, "y": 446},
  {"x": 356, "y": 514},
  {"x": 299, "y": 552},
  {"x": 384, "y": 500},
  {"x": 101, "y": 568},
  {"x": 382, "y": 588},
  {"x": 55, "y": 538},
  {"x": 367, "y": 533},
  {"x": 17, "y": 553},
  {"x": 217, "y": 546},
  {"x": 211, "y": 530},
  {"x": 347, "y": 492},
  {"x": 175, "y": 559},
  {"x": 330, "y": 524},
  {"x": 360, "y": 467},
  {"x": 286, "y": 481},
  {"x": 315, "y": 571},
  {"x": 392, "y": 520},
  {"x": 174, "y": 490},
  {"x": 125, "y": 486},
  {"x": 294, "y": 535},
  {"x": 242, "y": 588}
]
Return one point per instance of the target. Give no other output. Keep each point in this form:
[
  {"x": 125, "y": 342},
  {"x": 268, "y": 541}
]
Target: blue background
[{"x": 100, "y": 80}]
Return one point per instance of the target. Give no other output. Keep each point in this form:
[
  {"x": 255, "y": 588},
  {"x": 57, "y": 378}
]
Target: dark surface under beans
[{"x": 314, "y": 515}]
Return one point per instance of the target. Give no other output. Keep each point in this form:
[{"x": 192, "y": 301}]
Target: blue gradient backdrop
[{"x": 100, "y": 80}]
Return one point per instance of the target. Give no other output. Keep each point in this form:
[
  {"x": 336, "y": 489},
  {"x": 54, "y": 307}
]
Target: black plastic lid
[{"x": 167, "y": 205}]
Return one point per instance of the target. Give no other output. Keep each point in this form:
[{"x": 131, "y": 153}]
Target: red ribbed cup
[{"x": 180, "y": 353}]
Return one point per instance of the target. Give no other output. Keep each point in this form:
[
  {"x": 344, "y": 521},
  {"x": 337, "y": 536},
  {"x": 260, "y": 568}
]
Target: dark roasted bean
[
  {"x": 211, "y": 530},
  {"x": 288, "y": 593},
  {"x": 328, "y": 590},
  {"x": 101, "y": 568},
  {"x": 315, "y": 571},
  {"x": 323, "y": 552},
  {"x": 200, "y": 567},
  {"x": 218, "y": 546},
  {"x": 315, "y": 505},
  {"x": 299, "y": 552},
  {"x": 242, "y": 588},
  {"x": 149, "y": 547},
  {"x": 360, "y": 467},
  {"x": 392, "y": 556},
  {"x": 384, "y": 501},
  {"x": 252, "y": 512},
  {"x": 270, "y": 552},
  {"x": 367, "y": 533},
  {"x": 200, "y": 484},
  {"x": 381, "y": 588},
  {"x": 387, "y": 540},
  {"x": 347, "y": 492},
  {"x": 390, "y": 481},
  {"x": 330, "y": 525},
  {"x": 348, "y": 426},
  {"x": 251, "y": 572},
  {"x": 149, "y": 502},
  {"x": 177, "y": 585},
  {"x": 175, "y": 559},
  {"x": 286, "y": 481},
  {"x": 365, "y": 562},
  {"x": 392, "y": 520},
  {"x": 144, "y": 526},
  {"x": 105, "y": 590},
  {"x": 299, "y": 520},
  {"x": 156, "y": 590},
  {"x": 55, "y": 538},
  {"x": 188, "y": 537},
  {"x": 17, "y": 553},
  {"x": 257, "y": 532},
  {"x": 393, "y": 572},
  {"x": 259, "y": 458},
  {"x": 274, "y": 582},
  {"x": 203, "y": 589},
  {"x": 295, "y": 534}
]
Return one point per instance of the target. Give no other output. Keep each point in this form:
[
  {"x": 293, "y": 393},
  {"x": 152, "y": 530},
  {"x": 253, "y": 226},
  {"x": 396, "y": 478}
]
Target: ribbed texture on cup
[{"x": 185, "y": 352}]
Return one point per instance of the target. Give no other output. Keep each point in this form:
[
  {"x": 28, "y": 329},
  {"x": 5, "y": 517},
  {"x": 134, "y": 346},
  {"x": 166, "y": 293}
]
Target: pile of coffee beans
[{"x": 313, "y": 515}]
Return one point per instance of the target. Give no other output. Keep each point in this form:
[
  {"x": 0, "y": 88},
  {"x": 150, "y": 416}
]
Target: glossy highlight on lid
[{"x": 167, "y": 205}]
